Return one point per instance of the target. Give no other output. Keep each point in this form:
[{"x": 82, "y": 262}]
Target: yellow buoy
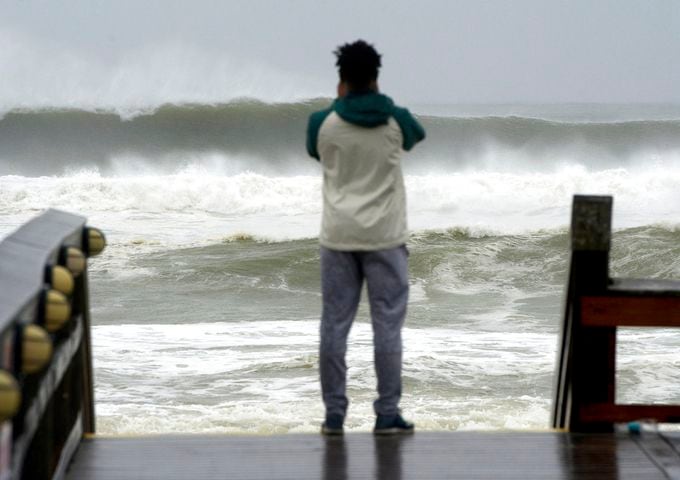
[
  {"x": 36, "y": 349},
  {"x": 61, "y": 279},
  {"x": 96, "y": 241},
  {"x": 57, "y": 310},
  {"x": 74, "y": 260},
  {"x": 10, "y": 396}
]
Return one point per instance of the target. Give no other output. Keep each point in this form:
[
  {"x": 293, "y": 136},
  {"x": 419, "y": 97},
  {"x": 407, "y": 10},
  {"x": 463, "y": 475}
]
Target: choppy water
[{"x": 206, "y": 301}]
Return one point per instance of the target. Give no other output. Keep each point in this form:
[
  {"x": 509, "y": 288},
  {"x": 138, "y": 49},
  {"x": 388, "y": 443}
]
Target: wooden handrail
[
  {"x": 596, "y": 305},
  {"x": 599, "y": 412},
  {"x": 630, "y": 311},
  {"x": 57, "y": 404}
]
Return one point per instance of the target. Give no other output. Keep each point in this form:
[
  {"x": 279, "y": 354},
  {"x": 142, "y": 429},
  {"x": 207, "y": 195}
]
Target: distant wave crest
[{"x": 268, "y": 138}]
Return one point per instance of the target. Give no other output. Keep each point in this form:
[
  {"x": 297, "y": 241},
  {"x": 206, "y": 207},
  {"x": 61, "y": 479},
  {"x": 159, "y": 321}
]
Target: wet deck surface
[{"x": 425, "y": 455}]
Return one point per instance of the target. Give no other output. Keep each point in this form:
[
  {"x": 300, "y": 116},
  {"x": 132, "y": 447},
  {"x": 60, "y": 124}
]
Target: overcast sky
[{"x": 448, "y": 51}]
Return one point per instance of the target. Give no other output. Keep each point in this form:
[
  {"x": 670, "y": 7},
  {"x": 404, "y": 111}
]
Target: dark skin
[{"x": 344, "y": 88}]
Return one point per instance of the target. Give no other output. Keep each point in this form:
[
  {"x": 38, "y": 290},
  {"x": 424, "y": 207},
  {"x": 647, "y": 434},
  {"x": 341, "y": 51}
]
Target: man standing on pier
[{"x": 359, "y": 141}]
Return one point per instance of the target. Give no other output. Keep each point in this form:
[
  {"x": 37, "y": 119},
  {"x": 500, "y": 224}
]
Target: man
[{"x": 359, "y": 140}]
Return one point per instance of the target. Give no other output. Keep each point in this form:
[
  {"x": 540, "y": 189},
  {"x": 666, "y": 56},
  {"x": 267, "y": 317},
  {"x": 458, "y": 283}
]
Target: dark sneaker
[
  {"x": 392, "y": 425},
  {"x": 332, "y": 425}
]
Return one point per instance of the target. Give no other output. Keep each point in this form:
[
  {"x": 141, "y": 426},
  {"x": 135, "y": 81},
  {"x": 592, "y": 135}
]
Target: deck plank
[{"x": 425, "y": 455}]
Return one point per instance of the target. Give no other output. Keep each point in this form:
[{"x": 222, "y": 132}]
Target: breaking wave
[{"x": 268, "y": 138}]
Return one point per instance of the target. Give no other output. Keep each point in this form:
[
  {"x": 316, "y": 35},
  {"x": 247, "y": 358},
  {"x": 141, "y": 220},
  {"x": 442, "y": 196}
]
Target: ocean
[{"x": 206, "y": 303}]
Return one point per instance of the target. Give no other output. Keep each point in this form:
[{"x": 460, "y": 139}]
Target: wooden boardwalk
[{"x": 425, "y": 455}]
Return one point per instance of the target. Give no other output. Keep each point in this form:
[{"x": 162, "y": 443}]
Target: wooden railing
[
  {"x": 585, "y": 392},
  {"x": 46, "y": 384}
]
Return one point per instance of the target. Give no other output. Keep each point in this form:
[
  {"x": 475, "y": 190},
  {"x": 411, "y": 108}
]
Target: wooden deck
[{"x": 425, "y": 455}]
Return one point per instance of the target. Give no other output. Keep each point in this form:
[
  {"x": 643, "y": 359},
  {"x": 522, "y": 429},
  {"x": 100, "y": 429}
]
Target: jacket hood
[{"x": 368, "y": 109}]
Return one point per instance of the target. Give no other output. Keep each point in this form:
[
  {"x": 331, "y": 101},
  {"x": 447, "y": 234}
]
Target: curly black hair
[{"x": 358, "y": 64}]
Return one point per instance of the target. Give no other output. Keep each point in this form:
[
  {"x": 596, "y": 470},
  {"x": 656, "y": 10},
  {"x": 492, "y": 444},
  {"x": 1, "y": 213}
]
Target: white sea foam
[
  {"x": 230, "y": 377},
  {"x": 197, "y": 206},
  {"x": 261, "y": 377}
]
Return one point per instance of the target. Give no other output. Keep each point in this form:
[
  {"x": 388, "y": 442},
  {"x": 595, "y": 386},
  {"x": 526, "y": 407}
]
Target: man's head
[{"x": 358, "y": 65}]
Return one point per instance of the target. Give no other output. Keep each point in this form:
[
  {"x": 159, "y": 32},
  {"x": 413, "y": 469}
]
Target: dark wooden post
[
  {"x": 586, "y": 362},
  {"x": 84, "y": 357}
]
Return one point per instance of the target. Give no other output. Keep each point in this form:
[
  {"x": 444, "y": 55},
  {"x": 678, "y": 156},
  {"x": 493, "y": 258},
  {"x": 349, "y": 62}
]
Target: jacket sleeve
[
  {"x": 313, "y": 127},
  {"x": 411, "y": 130}
]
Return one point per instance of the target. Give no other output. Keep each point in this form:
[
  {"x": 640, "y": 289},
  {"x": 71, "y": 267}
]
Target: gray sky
[{"x": 465, "y": 51}]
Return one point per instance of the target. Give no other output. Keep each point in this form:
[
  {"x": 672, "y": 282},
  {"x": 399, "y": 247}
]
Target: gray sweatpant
[{"x": 342, "y": 276}]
